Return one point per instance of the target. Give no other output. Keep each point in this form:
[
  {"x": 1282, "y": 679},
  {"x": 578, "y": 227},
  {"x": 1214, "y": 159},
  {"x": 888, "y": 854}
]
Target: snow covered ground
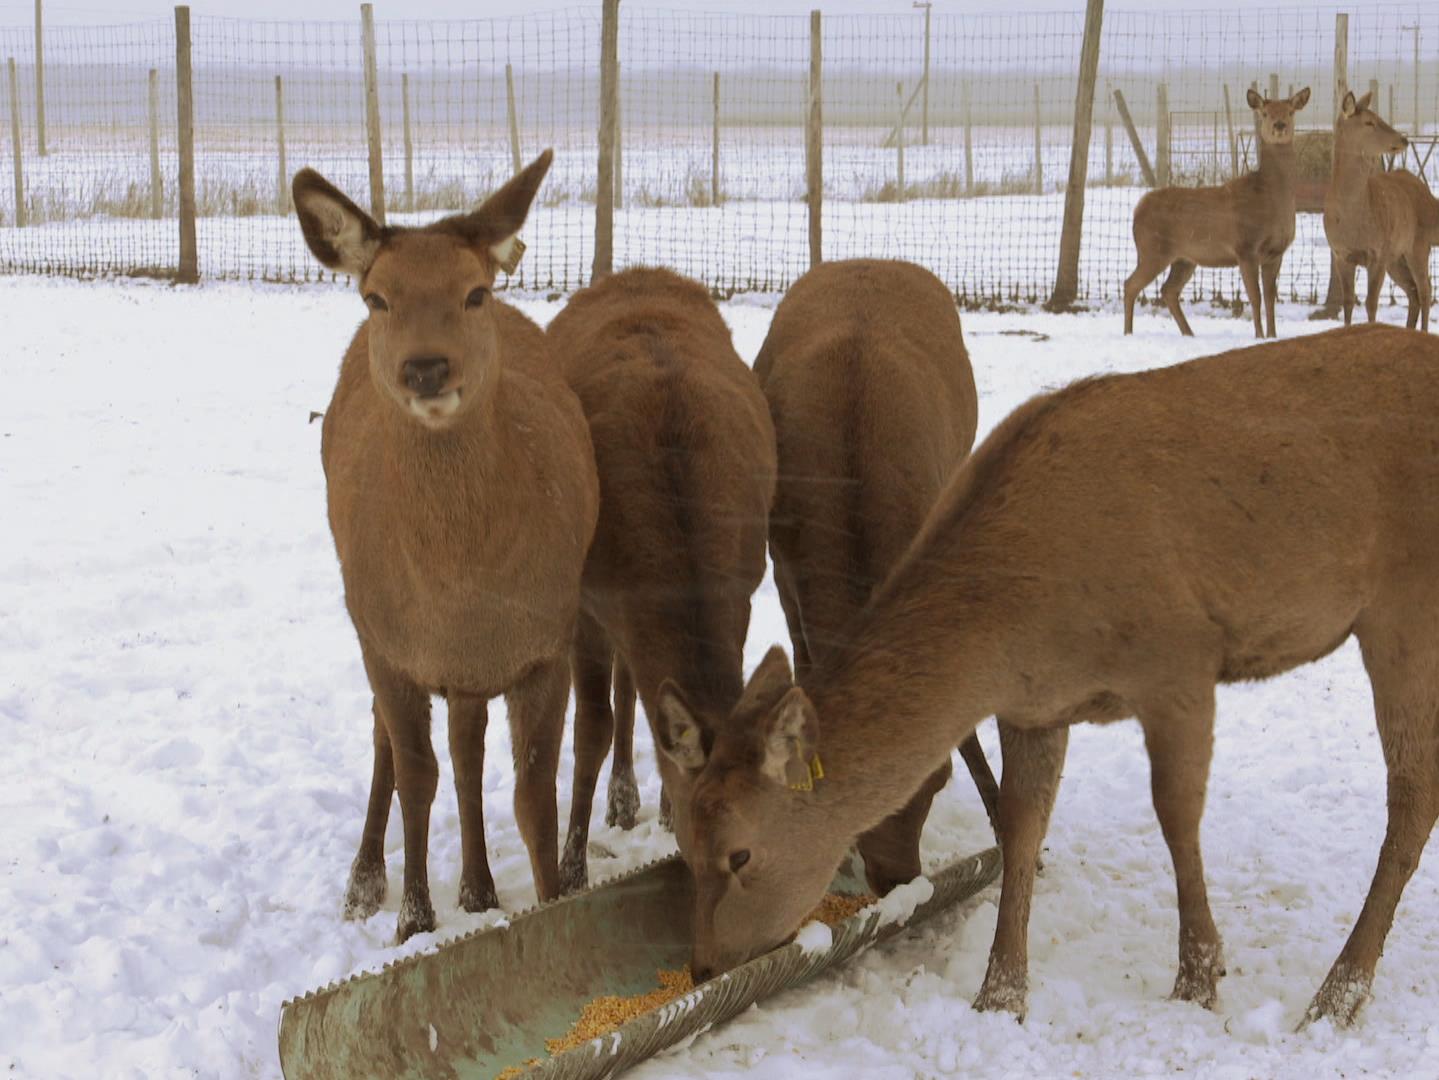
[{"x": 186, "y": 753}]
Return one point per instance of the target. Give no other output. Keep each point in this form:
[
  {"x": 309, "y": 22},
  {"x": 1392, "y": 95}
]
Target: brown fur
[
  {"x": 1248, "y": 223},
  {"x": 1378, "y": 220},
  {"x": 874, "y": 405},
  {"x": 686, "y": 460},
  {"x": 1117, "y": 549},
  {"x": 461, "y": 528}
]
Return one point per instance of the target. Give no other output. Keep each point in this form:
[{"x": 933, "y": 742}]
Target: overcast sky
[{"x": 98, "y": 11}]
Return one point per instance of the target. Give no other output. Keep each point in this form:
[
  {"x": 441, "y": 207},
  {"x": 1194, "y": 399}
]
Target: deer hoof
[
  {"x": 417, "y": 916},
  {"x": 366, "y": 890},
  {"x": 624, "y": 802},
  {"x": 1003, "y": 994},
  {"x": 1200, "y": 970},
  {"x": 477, "y": 898},
  {"x": 1339, "y": 1000},
  {"x": 574, "y": 866}
]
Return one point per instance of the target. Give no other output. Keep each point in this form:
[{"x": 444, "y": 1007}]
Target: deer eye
[
  {"x": 476, "y": 297},
  {"x": 376, "y": 302},
  {"x": 737, "y": 859}
]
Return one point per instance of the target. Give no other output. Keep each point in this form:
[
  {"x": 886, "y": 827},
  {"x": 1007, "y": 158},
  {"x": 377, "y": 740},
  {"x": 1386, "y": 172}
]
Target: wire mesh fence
[{"x": 946, "y": 138}]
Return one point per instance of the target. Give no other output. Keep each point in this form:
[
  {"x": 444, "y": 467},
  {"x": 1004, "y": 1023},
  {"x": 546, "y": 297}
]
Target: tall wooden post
[
  {"x": 1162, "y": 136},
  {"x": 1374, "y": 91},
  {"x": 814, "y": 142},
  {"x": 1273, "y": 86},
  {"x": 513, "y": 119},
  {"x": 899, "y": 144},
  {"x": 282, "y": 175},
  {"x": 188, "y": 272},
  {"x": 715, "y": 153},
  {"x": 1066, "y": 278},
  {"x": 157, "y": 181},
  {"x": 408, "y": 135},
  {"x": 609, "y": 105},
  {"x": 1341, "y": 61},
  {"x": 1233, "y": 143},
  {"x": 1038, "y": 147},
  {"x": 1134, "y": 140},
  {"x": 968, "y": 142},
  {"x": 619, "y": 140},
  {"x": 1255, "y": 87},
  {"x": 1108, "y": 138},
  {"x": 924, "y": 94},
  {"x": 372, "y": 113},
  {"x": 17, "y": 155},
  {"x": 40, "y": 78}
]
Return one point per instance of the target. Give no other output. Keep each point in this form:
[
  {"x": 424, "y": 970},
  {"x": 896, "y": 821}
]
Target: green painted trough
[{"x": 487, "y": 1001}]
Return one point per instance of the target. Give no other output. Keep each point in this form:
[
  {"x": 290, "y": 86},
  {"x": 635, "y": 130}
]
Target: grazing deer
[
  {"x": 1375, "y": 219},
  {"x": 1248, "y": 223},
  {"x": 462, "y": 497},
  {"x": 686, "y": 459},
  {"x": 1113, "y": 549},
  {"x": 874, "y": 405}
]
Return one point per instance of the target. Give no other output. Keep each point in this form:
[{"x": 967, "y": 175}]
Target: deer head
[
  {"x": 1276, "y": 118},
  {"x": 431, "y": 331},
  {"x": 1362, "y": 131},
  {"x": 747, "y": 817}
]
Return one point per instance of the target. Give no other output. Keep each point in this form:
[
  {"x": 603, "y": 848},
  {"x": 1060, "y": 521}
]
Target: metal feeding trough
[{"x": 486, "y": 1002}]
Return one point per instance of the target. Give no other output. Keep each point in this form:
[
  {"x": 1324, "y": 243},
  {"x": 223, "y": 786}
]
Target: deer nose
[
  {"x": 702, "y": 973},
  {"x": 1280, "y": 126},
  {"x": 426, "y": 375}
]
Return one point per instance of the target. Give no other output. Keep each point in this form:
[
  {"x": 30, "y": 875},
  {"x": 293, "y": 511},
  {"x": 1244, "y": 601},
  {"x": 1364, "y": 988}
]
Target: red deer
[
  {"x": 874, "y": 405},
  {"x": 1113, "y": 549},
  {"x": 1378, "y": 220},
  {"x": 1248, "y": 223},
  {"x": 462, "y": 498},
  {"x": 686, "y": 460}
]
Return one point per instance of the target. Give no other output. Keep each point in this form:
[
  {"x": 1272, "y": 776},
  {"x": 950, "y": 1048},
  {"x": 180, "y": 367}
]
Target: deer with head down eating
[
  {"x": 1115, "y": 549},
  {"x": 462, "y": 498}
]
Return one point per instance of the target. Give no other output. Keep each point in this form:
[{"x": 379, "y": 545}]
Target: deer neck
[
  {"x": 1349, "y": 182},
  {"x": 1279, "y": 171}
]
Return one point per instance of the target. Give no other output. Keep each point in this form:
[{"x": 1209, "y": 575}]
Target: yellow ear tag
[
  {"x": 814, "y": 773},
  {"x": 517, "y": 252}
]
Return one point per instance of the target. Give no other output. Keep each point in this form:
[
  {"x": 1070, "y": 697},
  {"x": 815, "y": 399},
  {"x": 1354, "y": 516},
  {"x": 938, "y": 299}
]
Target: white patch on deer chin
[{"x": 434, "y": 411}]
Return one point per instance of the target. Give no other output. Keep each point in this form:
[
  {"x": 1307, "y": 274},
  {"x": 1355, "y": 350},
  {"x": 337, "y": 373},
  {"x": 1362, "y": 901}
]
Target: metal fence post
[
  {"x": 814, "y": 142},
  {"x": 513, "y": 118},
  {"x": 605, "y": 180},
  {"x": 372, "y": 113},
  {"x": 15, "y": 146},
  {"x": 282, "y": 177},
  {"x": 157, "y": 181},
  {"x": 1066, "y": 279},
  {"x": 40, "y": 78},
  {"x": 188, "y": 272}
]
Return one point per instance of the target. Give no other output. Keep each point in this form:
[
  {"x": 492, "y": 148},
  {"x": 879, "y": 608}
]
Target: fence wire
[{"x": 711, "y": 136}]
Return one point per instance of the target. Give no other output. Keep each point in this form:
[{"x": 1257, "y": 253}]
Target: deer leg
[
  {"x": 1149, "y": 268},
  {"x": 1423, "y": 288},
  {"x": 891, "y": 849},
  {"x": 1399, "y": 271},
  {"x": 1028, "y": 784},
  {"x": 1406, "y": 706},
  {"x": 469, "y": 716},
  {"x": 789, "y": 601},
  {"x": 537, "y": 726},
  {"x": 1376, "y": 286},
  {"x": 405, "y": 709},
  {"x": 592, "y": 661},
  {"x": 1270, "y": 281},
  {"x": 979, "y": 771},
  {"x": 366, "y": 890},
  {"x": 1249, "y": 272},
  {"x": 1180, "y": 740},
  {"x": 624, "y": 794},
  {"x": 1346, "y": 270},
  {"x": 1179, "y": 275}
]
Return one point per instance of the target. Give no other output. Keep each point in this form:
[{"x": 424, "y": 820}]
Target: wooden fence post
[
  {"x": 609, "y": 103},
  {"x": 408, "y": 134},
  {"x": 968, "y": 141},
  {"x": 15, "y": 146},
  {"x": 157, "y": 181},
  {"x": 814, "y": 142},
  {"x": 282, "y": 175},
  {"x": 40, "y": 79},
  {"x": 715, "y": 153},
  {"x": 924, "y": 101},
  {"x": 1255, "y": 87},
  {"x": 1109, "y": 140},
  {"x": 619, "y": 139},
  {"x": 1066, "y": 278},
  {"x": 899, "y": 145},
  {"x": 513, "y": 119},
  {"x": 1134, "y": 140},
  {"x": 188, "y": 272},
  {"x": 1341, "y": 61},
  {"x": 1233, "y": 143},
  {"x": 1038, "y": 147},
  {"x": 1162, "y": 136},
  {"x": 1273, "y": 86},
  {"x": 372, "y": 114}
]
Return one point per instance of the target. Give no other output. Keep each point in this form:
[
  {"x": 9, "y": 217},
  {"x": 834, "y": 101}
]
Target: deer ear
[
  {"x": 1363, "y": 103},
  {"x": 339, "y": 234},
  {"x": 767, "y": 685},
  {"x": 682, "y": 736},
  {"x": 1300, "y": 99},
  {"x": 500, "y": 217},
  {"x": 1348, "y": 107},
  {"x": 791, "y": 739},
  {"x": 1255, "y": 101}
]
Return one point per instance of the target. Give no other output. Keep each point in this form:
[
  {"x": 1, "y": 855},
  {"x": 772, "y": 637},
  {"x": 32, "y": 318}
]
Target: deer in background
[
  {"x": 1375, "y": 219},
  {"x": 686, "y": 459},
  {"x": 462, "y": 498},
  {"x": 1248, "y": 223},
  {"x": 874, "y": 405},
  {"x": 1113, "y": 549}
]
